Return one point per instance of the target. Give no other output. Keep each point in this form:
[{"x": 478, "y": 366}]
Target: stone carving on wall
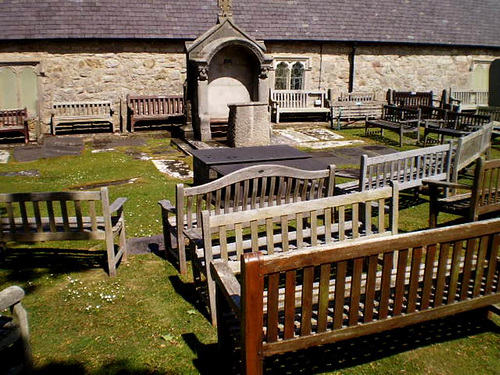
[{"x": 202, "y": 73}]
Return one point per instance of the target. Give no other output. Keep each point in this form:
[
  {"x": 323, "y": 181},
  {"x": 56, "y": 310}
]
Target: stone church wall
[{"x": 111, "y": 69}]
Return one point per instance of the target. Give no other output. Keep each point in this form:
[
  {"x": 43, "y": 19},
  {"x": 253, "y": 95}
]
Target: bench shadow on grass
[
  {"x": 118, "y": 367},
  {"x": 20, "y": 263},
  {"x": 355, "y": 352}
]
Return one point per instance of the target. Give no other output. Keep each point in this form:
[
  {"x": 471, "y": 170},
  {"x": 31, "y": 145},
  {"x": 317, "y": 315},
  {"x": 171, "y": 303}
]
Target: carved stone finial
[
  {"x": 264, "y": 72},
  {"x": 203, "y": 73},
  {"x": 225, "y": 9}
]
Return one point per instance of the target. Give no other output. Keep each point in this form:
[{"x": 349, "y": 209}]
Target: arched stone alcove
[{"x": 224, "y": 66}]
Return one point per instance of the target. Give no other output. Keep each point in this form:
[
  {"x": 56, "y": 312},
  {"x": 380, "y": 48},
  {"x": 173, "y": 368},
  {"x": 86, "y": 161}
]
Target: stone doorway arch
[
  {"x": 494, "y": 86},
  {"x": 225, "y": 66}
]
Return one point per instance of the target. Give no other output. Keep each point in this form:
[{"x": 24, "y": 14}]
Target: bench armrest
[
  {"x": 10, "y": 296},
  {"x": 228, "y": 284},
  {"x": 166, "y": 205},
  {"x": 117, "y": 204},
  {"x": 445, "y": 184}
]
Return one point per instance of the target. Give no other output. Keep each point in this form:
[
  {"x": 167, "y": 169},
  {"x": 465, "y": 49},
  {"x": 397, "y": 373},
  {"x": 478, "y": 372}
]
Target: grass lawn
[{"x": 147, "y": 319}]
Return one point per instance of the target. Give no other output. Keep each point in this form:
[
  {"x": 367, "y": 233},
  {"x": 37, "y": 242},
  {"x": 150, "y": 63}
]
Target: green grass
[{"x": 147, "y": 319}]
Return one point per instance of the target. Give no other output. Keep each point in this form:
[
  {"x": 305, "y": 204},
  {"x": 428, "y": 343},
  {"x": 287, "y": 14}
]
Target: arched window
[
  {"x": 297, "y": 76},
  {"x": 289, "y": 75},
  {"x": 282, "y": 76}
]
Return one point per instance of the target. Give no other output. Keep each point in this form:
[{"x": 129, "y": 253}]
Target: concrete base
[{"x": 249, "y": 125}]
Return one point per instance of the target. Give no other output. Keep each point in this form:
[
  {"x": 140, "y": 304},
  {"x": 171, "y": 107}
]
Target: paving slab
[{"x": 146, "y": 245}]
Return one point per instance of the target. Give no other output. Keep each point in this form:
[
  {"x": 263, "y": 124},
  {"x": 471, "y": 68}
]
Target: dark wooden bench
[
  {"x": 454, "y": 124},
  {"x": 296, "y": 300},
  {"x": 81, "y": 115},
  {"x": 14, "y": 333},
  {"x": 154, "y": 108},
  {"x": 483, "y": 197},
  {"x": 14, "y": 121},
  {"x": 244, "y": 189},
  {"x": 400, "y": 120},
  {"x": 59, "y": 216},
  {"x": 292, "y": 227},
  {"x": 410, "y": 99}
]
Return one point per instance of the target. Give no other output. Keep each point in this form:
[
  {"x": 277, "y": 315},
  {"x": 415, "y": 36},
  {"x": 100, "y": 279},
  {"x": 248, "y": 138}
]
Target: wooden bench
[
  {"x": 58, "y": 216},
  {"x": 397, "y": 119},
  {"x": 80, "y": 115},
  {"x": 354, "y": 106},
  {"x": 296, "y": 300},
  {"x": 410, "y": 99},
  {"x": 454, "y": 124},
  {"x": 470, "y": 99},
  {"x": 14, "y": 332},
  {"x": 293, "y": 226},
  {"x": 15, "y": 121},
  {"x": 407, "y": 168},
  {"x": 244, "y": 189},
  {"x": 483, "y": 197},
  {"x": 494, "y": 113},
  {"x": 299, "y": 102},
  {"x": 154, "y": 108}
]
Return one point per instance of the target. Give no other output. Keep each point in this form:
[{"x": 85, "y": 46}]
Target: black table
[{"x": 208, "y": 164}]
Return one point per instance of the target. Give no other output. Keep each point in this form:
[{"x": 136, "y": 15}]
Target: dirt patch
[{"x": 105, "y": 183}]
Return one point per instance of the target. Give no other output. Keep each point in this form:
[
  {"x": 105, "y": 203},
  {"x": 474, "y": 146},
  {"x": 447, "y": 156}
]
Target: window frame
[{"x": 305, "y": 62}]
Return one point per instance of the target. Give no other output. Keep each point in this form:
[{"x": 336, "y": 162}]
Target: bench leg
[
  {"x": 123, "y": 243},
  {"x": 110, "y": 249},
  {"x": 401, "y": 135}
]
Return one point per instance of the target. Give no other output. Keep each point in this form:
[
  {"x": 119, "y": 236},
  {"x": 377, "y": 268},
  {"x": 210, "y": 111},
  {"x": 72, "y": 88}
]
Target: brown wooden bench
[
  {"x": 14, "y": 332},
  {"x": 15, "y": 121},
  {"x": 483, "y": 198},
  {"x": 296, "y": 300},
  {"x": 454, "y": 124},
  {"x": 81, "y": 115},
  {"x": 410, "y": 99},
  {"x": 293, "y": 226},
  {"x": 397, "y": 119},
  {"x": 244, "y": 189},
  {"x": 59, "y": 216},
  {"x": 154, "y": 108}
]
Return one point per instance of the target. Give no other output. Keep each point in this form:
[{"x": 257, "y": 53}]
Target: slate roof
[{"x": 448, "y": 22}]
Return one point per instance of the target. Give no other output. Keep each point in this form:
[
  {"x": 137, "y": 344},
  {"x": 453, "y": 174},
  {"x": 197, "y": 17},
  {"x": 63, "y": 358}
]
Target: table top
[
  {"x": 309, "y": 164},
  {"x": 213, "y": 156}
]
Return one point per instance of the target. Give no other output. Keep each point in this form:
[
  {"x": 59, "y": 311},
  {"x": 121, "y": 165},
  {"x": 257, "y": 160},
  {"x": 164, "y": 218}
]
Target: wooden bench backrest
[
  {"x": 16, "y": 117},
  {"x": 87, "y": 109},
  {"x": 466, "y": 121},
  {"x": 312, "y": 297},
  {"x": 398, "y": 114},
  {"x": 156, "y": 105},
  {"x": 410, "y": 99},
  {"x": 356, "y": 96},
  {"x": 493, "y": 112},
  {"x": 486, "y": 188},
  {"x": 298, "y": 98},
  {"x": 49, "y": 216},
  {"x": 433, "y": 113},
  {"x": 252, "y": 187},
  {"x": 408, "y": 168},
  {"x": 299, "y": 225},
  {"x": 471, "y": 147}
]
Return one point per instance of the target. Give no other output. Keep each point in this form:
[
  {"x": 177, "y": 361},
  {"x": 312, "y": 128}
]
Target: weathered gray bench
[
  {"x": 407, "y": 168},
  {"x": 76, "y": 115},
  {"x": 58, "y": 216},
  {"x": 14, "y": 121},
  {"x": 153, "y": 108},
  {"x": 293, "y": 226},
  {"x": 14, "y": 330},
  {"x": 400, "y": 120},
  {"x": 244, "y": 189},
  {"x": 354, "y": 106},
  {"x": 299, "y": 102},
  {"x": 296, "y": 300}
]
